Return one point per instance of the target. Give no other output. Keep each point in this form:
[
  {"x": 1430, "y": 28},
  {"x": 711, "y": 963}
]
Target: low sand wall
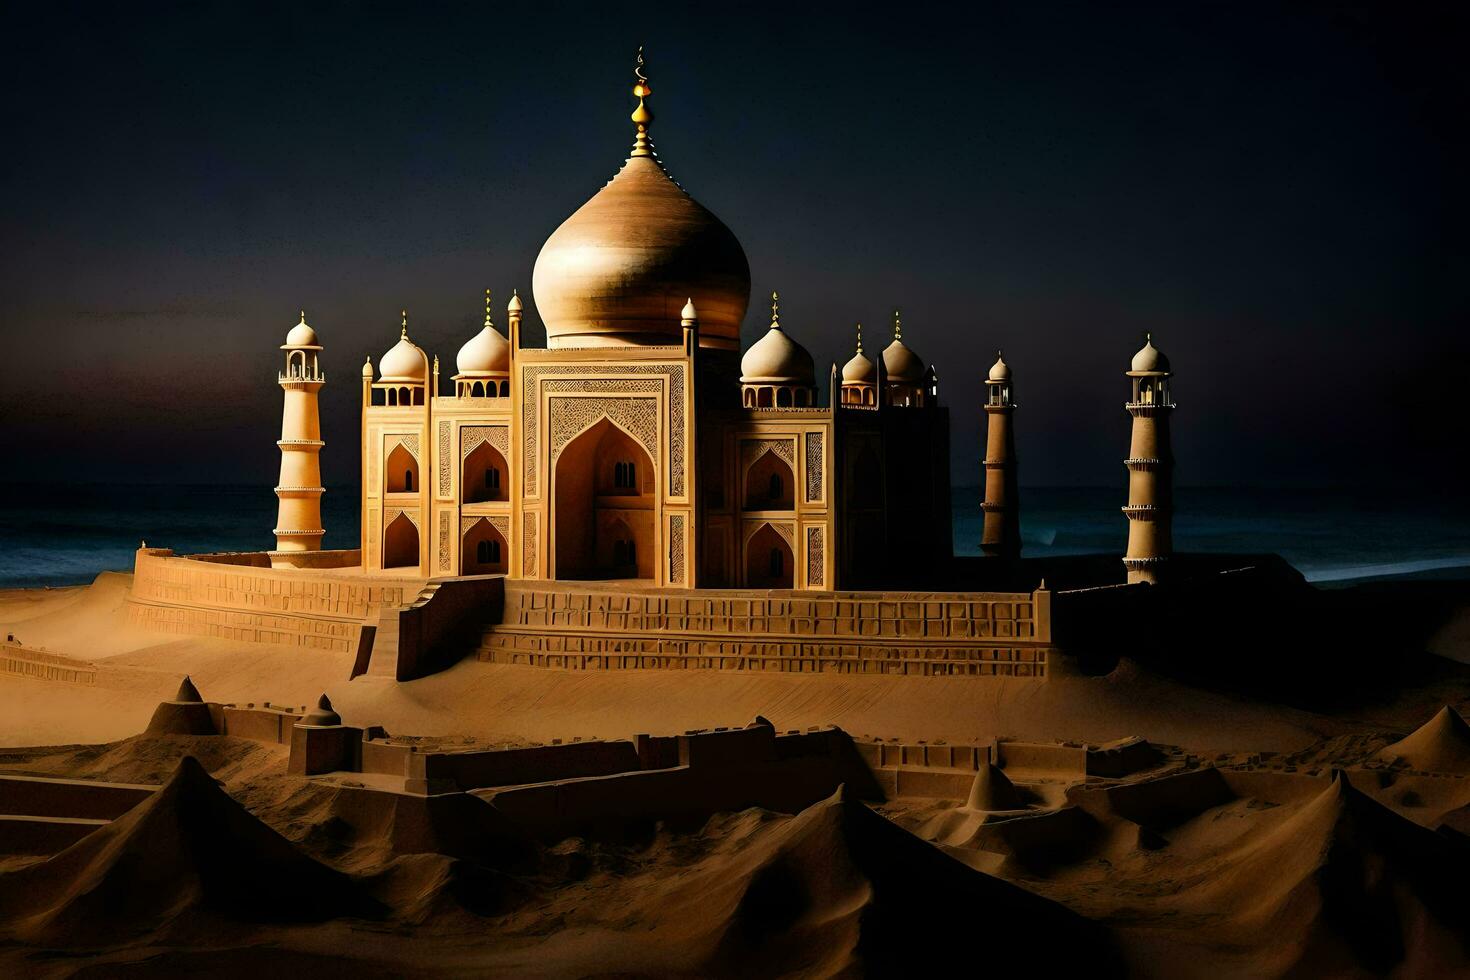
[
  {"x": 589, "y": 628},
  {"x": 232, "y": 597},
  {"x": 16, "y": 659}
]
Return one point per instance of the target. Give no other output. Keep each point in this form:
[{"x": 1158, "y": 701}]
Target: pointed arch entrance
[
  {"x": 400, "y": 543},
  {"x": 769, "y": 483},
  {"x": 401, "y": 471},
  {"x": 605, "y": 491},
  {"x": 769, "y": 562},
  {"x": 485, "y": 475},
  {"x": 483, "y": 550}
]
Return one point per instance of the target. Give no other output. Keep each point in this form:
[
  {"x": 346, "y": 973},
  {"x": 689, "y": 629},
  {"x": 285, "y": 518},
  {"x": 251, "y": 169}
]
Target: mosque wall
[
  {"x": 585, "y": 628},
  {"x": 580, "y": 511},
  {"x": 320, "y": 611}
]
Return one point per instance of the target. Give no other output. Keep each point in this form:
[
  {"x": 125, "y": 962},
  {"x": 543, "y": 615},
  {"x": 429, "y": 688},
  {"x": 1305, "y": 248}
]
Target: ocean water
[{"x": 67, "y": 535}]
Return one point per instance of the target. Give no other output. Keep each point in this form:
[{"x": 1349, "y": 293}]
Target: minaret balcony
[
  {"x": 302, "y": 445},
  {"x": 1147, "y": 409},
  {"x": 1143, "y": 562},
  {"x": 300, "y": 491},
  {"x": 1006, "y": 407},
  {"x": 991, "y": 507},
  {"x": 302, "y": 380},
  {"x": 1143, "y": 463},
  {"x": 997, "y": 464},
  {"x": 1143, "y": 512}
]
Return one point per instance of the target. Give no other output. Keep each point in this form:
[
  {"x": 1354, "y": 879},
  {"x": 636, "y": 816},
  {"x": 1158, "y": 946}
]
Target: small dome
[
  {"x": 514, "y": 306},
  {"x": 404, "y": 362},
  {"x": 902, "y": 365},
  {"x": 1000, "y": 370},
  {"x": 487, "y": 352},
  {"x": 859, "y": 370},
  {"x": 322, "y": 715},
  {"x": 777, "y": 359},
  {"x": 367, "y": 367},
  {"x": 1149, "y": 359},
  {"x": 688, "y": 312},
  {"x": 301, "y": 335}
]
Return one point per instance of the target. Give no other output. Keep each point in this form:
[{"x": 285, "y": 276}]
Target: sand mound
[
  {"x": 189, "y": 849},
  {"x": 1344, "y": 885},
  {"x": 992, "y": 790},
  {"x": 842, "y": 889},
  {"x": 1441, "y": 744}
]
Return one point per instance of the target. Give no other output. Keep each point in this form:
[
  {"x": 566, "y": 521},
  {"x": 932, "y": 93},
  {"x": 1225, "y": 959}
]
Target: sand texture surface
[{"x": 1265, "y": 839}]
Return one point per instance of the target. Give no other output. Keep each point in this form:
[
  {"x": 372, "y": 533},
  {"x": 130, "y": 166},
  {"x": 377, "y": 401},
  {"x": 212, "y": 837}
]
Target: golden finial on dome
[
  {"x": 860, "y": 338},
  {"x": 303, "y": 316},
  {"x": 488, "y": 321},
  {"x": 775, "y": 310},
  {"x": 403, "y": 335},
  {"x": 642, "y": 116},
  {"x": 897, "y": 326}
]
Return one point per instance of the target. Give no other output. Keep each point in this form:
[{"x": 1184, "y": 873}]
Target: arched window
[
  {"x": 494, "y": 552},
  {"x": 492, "y": 478},
  {"x": 633, "y": 553},
  {"x": 625, "y": 476},
  {"x": 620, "y": 553},
  {"x": 482, "y": 552},
  {"x": 408, "y": 481},
  {"x": 774, "y": 488},
  {"x": 778, "y": 563}
]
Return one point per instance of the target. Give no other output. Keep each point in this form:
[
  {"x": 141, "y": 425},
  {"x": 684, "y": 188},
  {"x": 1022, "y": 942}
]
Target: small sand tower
[
  {"x": 1001, "y": 536},
  {"x": 1150, "y": 465},
  {"x": 299, "y": 516}
]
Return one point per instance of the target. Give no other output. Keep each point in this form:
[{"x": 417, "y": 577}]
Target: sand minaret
[
  {"x": 1150, "y": 465},
  {"x": 299, "y": 517},
  {"x": 1001, "y": 536}
]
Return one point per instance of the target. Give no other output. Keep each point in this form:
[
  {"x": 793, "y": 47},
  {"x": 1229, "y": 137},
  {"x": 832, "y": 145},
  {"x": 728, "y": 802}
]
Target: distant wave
[{"x": 1348, "y": 572}]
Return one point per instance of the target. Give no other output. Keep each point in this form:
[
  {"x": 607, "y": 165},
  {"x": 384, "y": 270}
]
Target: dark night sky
[{"x": 1279, "y": 194}]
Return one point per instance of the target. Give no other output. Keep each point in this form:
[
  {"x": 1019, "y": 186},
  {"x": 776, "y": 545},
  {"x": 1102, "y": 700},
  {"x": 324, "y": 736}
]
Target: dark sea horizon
[{"x": 67, "y": 535}]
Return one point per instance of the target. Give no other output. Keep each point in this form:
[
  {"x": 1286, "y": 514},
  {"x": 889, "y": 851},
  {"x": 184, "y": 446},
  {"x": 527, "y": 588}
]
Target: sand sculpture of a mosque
[{"x": 639, "y": 492}]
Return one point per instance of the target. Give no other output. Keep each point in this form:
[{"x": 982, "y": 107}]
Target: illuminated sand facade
[
  {"x": 299, "y": 515},
  {"x": 1150, "y": 462},
  {"x": 640, "y": 443}
]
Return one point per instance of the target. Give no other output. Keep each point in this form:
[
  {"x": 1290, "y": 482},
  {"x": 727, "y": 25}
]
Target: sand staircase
[
  {"x": 46, "y": 814},
  {"x": 431, "y": 633}
]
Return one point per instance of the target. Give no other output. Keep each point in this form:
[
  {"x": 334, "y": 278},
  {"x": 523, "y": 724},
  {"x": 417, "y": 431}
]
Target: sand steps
[{"x": 46, "y": 814}]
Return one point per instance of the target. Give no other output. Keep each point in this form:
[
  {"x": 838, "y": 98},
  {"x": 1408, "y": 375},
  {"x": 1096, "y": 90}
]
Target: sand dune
[
  {"x": 1441, "y": 744},
  {"x": 188, "y": 850}
]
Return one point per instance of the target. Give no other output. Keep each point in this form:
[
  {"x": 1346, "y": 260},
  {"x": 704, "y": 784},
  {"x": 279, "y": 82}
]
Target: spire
[
  {"x": 775, "y": 310},
  {"x": 303, "y": 316},
  {"x": 404, "y": 334},
  {"x": 860, "y": 338},
  {"x": 688, "y": 313},
  {"x": 897, "y": 326},
  {"x": 488, "y": 321},
  {"x": 514, "y": 306},
  {"x": 642, "y": 116}
]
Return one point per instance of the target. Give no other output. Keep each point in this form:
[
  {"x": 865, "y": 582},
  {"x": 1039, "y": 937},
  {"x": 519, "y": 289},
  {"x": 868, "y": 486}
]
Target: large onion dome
[
  {"x": 1000, "y": 370},
  {"x": 776, "y": 359},
  {"x": 617, "y": 272}
]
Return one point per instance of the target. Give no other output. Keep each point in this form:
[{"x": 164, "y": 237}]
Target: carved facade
[{"x": 640, "y": 443}]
